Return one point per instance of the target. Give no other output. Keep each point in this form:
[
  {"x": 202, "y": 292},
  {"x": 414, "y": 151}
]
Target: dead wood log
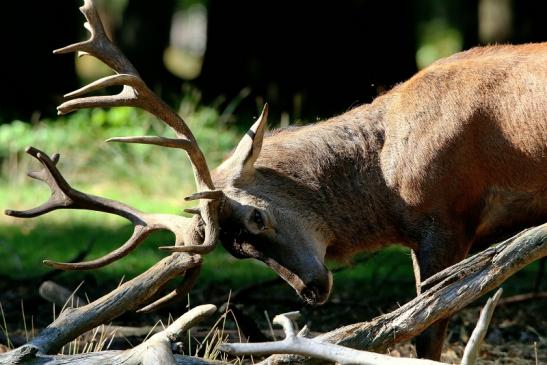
[
  {"x": 156, "y": 350},
  {"x": 453, "y": 289},
  {"x": 72, "y": 322},
  {"x": 300, "y": 345},
  {"x": 96, "y": 358},
  {"x": 65, "y": 298},
  {"x": 59, "y": 295}
]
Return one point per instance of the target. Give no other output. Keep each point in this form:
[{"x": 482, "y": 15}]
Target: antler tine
[
  {"x": 155, "y": 140},
  {"x": 98, "y": 43},
  {"x": 136, "y": 93},
  {"x": 139, "y": 234},
  {"x": 60, "y": 190},
  {"x": 63, "y": 196},
  {"x": 198, "y": 249}
]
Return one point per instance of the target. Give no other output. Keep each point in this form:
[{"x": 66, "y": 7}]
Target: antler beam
[{"x": 136, "y": 93}]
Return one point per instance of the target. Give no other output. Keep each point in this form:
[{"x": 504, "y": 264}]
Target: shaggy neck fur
[{"x": 340, "y": 180}]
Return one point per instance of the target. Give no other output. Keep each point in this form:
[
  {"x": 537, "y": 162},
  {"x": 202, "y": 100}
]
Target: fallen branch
[
  {"x": 298, "y": 344},
  {"x": 471, "y": 351},
  {"x": 519, "y": 298},
  {"x": 156, "y": 350},
  {"x": 454, "y": 288},
  {"x": 63, "y": 297},
  {"x": 59, "y": 295},
  {"x": 72, "y": 322}
]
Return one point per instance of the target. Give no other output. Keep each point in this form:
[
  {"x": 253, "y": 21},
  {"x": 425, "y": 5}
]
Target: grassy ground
[
  {"x": 147, "y": 177},
  {"x": 156, "y": 179}
]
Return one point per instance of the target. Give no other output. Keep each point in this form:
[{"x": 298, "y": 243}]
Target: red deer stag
[{"x": 453, "y": 158}]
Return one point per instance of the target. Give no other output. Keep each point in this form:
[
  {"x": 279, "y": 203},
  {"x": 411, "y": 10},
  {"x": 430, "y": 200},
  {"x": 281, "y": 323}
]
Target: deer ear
[{"x": 248, "y": 149}]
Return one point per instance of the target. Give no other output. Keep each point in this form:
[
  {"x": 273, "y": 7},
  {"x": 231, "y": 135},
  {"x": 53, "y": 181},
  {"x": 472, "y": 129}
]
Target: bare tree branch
[
  {"x": 519, "y": 298},
  {"x": 293, "y": 344},
  {"x": 72, "y": 322},
  {"x": 297, "y": 344},
  {"x": 475, "y": 341},
  {"x": 59, "y": 295}
]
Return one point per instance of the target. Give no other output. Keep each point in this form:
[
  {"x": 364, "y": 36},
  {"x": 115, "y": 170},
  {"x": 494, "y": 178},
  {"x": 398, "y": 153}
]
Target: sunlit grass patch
[{"x": 24, "y": 247}]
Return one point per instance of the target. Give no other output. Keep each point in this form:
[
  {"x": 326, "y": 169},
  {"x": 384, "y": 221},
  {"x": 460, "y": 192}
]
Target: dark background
[{"x": 310, "y": 59}]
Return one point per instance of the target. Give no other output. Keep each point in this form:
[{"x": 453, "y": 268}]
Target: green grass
[{"x": 24, "y": 247}]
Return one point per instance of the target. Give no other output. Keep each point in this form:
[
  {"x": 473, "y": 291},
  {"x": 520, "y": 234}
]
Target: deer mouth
[
  {"x": 317, "y": 292},
  {"x": 313, "y": 291},
  {"x": 313, "y": 295}
]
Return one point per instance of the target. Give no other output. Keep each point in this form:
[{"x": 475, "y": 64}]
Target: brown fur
[{"x": 454, "y": 157}]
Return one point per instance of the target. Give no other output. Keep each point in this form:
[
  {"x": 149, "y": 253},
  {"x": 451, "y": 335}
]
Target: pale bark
[
  {"x": 72, "y": 322},
  {"x": 299, "y": 345},
  {"x": 455, "y": 288},
  {"x": 102, "y": 358},
  {"x": 156, "y": 350},
  {"x": 471, "y": 352}
]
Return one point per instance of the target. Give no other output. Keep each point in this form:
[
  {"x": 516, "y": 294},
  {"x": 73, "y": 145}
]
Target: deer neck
[{"x": 335, "y": 165}]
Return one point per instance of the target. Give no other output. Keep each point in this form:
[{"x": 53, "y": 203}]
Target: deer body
[{"x": 453, "y": 158}]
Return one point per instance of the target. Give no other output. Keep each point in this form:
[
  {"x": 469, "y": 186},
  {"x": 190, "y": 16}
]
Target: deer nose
[
  {"x": 314, "y": 295},
  {"x": 318, "y": 290}
]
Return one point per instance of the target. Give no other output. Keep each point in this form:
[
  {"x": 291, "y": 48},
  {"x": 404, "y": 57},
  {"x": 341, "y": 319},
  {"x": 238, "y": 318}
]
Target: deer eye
[{"x": 259, "y": 220}]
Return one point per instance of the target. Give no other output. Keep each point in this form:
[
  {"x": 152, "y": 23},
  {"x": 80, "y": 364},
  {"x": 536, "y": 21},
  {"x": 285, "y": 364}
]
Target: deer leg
[{"x": 439, "y": 249}]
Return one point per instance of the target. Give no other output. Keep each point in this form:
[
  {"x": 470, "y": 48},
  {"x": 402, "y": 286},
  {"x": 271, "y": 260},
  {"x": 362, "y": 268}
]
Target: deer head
[
  {"x": 248, "y": 210},
  {"x": 261, "y": 217}
]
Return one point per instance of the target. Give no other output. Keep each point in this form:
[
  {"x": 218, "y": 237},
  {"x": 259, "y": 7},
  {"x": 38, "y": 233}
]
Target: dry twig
[{"x": 472, "y": 349}]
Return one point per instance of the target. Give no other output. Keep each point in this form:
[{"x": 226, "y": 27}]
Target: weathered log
[
  {"x": 114, "y": 357},
  {"x": 298, "y": 344},
  {"x": 72, "y": 322},
  {"x": 63, "y": 297},
  {"x": 59, "y": 295},
  {"x": 156, "y": 350},
  {"x": 455, "y": 288}
]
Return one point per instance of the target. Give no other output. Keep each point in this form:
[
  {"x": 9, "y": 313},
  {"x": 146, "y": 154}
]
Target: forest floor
[{"x": 375, "y": 285}]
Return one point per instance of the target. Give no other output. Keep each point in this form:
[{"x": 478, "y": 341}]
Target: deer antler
[
  {"x": 63, "y": 196},
  {"x": 136, "y": 93}
]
